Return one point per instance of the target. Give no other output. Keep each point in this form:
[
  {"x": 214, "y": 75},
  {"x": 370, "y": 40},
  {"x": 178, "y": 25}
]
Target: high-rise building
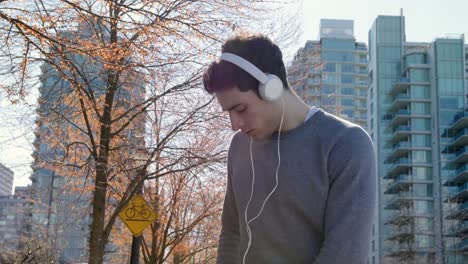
[
  {"x": 12, "y": 220},
  {"x": 418, "y": 122},
  {"x": 61, "y": 208},
  {"x": 6, "y": 180},
  {"x": 22, "y": 191},
  {"x": 331, "y": 72}
]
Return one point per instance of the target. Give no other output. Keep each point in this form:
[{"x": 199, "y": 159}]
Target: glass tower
[
  {"x": 332, "y": 73},
  {"x": 416, "y": 92}
]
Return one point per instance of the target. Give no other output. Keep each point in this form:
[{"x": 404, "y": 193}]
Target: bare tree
[
  {"x": 31, "y": 250},
  {"x": 409, "y": 224},
  {"x": 104, "y": 65}
]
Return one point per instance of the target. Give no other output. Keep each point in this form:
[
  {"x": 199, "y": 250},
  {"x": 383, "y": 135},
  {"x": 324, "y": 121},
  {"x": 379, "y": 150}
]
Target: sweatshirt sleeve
[
  {"x": 229, "y": 240},
  {"x": 351, "y": 199}
]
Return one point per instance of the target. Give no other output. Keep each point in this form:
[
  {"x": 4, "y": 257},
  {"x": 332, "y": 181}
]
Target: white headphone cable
[{"x": 249, "y": 233}]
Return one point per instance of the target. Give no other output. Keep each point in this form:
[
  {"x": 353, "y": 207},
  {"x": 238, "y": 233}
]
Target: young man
[{"x": 301, "y": 182}]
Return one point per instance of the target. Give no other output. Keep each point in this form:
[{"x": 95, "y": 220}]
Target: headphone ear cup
[{"x": 272, "y": 89}]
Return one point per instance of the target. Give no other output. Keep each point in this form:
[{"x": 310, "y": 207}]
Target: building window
[
  {"x": 347, "y": 68},
  {"x": 338, "y": 44},
  {"x": 451, "y": 102},
  {"x": 329, "y": 67},
  {"x": 419, "y": 75},
  {"x": 328, "y": 89},
  {"x": 416, "y": 59},
  {"x": 347, "y": 91},
  {"x": 329, "y": 78},
  {"x": 347, "y": 78},
  {"x": 347, "y": 102},
  {"x": 338, "y": 56}
]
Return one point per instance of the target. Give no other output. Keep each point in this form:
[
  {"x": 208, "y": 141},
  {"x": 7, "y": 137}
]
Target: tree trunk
[{"x": 96, "y": 239}]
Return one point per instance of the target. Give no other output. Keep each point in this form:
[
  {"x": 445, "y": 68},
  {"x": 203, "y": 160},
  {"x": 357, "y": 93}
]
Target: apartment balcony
[
  {"x": 398, "y": 218},
  {"x": 459, "y": 230},
  {"x": 403, "y": 182},
  {"x": 403, "y": 131},
  {"x": 460, "y": 139},
  {"x": 414, "y": 50},
  {"x": 361, "y": 48},
  {"x": 400, "y": 132},
  {"x": 405, "y": 216},
  {"x": 400, "y": 200},
  {"x": 460, "y": 176},
  {"x": 362, "y": 107},
  {"x": 402, "y": 148},
  {"x": 402, "y": 234},
  {"x": 361, "y": 95},
  {"x": 460, "y": 212},
  {"x": 418, "y": 65},
  {"x": 459, "y": 194},
  {"x": 400, "y": 101},
  {"x": 361, "y": 62},
  {"x": 361, "y": 74},
  {"x": 406, "y": 234},
  {"x": 400, "y": 116},
  {"x": 397, "y": 167},
  {"x": 362, "y": 83},
  {"x": 400, "y": 86},
  {"x": 462, "y": 246},
  {"x": 402, "y": 165},
  {"x": 459, "y": 121},
  {"x": 461, "y": 155},
  {"x": 404, "y": 199},
  {"x": 404, "y": 250}
]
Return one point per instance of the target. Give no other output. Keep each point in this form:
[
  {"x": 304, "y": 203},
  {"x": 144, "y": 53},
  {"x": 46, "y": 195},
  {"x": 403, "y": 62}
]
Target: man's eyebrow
[{"x": 232, "y": 107}]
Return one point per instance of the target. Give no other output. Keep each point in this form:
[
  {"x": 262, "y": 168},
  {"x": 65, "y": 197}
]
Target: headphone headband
[
  {"x": 270, "y": 86},
  {"x": 246, "y": 66}
]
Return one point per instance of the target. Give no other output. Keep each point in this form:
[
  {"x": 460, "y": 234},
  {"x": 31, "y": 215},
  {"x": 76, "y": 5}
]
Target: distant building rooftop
[{"x": 336, "y": 28}]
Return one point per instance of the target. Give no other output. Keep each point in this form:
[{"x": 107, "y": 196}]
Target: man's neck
[{"x": 295, "y": 111}]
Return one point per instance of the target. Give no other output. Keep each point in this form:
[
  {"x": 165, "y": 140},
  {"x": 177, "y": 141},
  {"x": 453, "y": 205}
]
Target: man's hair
[{"x": 258, "y": 50}]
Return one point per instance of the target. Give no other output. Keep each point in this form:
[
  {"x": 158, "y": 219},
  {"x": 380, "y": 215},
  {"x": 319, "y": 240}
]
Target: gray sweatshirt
[{"x": 323, "y": 208}]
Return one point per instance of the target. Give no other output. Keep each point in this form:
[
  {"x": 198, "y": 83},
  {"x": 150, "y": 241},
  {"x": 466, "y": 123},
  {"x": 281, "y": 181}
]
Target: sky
[{"x": 425, "y": 21}]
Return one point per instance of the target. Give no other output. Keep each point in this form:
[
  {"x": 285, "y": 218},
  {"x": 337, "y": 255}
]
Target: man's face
[{"x": 255, "y": 117}]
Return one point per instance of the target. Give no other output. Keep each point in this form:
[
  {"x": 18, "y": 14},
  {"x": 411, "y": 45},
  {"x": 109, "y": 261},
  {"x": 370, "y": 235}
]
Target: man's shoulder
[
  {"x": 332, "y": 126},
  {"x": 336, "y": 122}
]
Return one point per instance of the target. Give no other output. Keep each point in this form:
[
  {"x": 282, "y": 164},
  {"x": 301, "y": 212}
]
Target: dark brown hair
[{"x": 258, "y": 50}]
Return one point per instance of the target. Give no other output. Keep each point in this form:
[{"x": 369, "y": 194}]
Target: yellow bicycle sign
[
  {"x": 137, "y": 215},
  {"x": 137, "y": 210}
]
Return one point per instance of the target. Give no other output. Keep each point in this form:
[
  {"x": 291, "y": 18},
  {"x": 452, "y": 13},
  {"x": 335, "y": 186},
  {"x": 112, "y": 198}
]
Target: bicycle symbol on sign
[{"x": 140, "y": 210}]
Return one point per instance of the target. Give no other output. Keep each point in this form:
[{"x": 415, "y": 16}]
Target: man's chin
[
  {"x": 255, "y": 135},
  {"x": 259, "y": 137}
]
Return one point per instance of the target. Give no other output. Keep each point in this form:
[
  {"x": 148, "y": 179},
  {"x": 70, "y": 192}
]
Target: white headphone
[{"x": 270, "y": 87}]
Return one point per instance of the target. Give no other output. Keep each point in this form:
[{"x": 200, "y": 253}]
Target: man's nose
[{"x": 236, "y": 122}]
